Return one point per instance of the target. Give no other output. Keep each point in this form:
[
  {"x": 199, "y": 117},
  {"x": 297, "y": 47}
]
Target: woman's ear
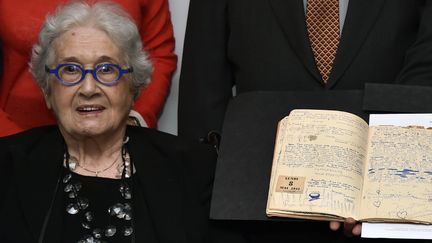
[{"x": 47, "y": 100}]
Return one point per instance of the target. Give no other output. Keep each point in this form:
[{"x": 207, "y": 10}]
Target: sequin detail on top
[{"x": 79, "y": 205}]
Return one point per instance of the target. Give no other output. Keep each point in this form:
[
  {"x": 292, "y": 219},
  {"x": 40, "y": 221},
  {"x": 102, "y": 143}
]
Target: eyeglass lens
[
  {"x": 70, "y": 73},
  {"x": 105, "y": 73}
]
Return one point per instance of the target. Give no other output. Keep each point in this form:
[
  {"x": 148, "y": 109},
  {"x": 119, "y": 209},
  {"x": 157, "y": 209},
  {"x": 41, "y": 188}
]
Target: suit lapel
[
  {"x": 360, "y": 18},
  {"x": 36, "y": 173},
  {"x": 162, "y": 190},
  {"x": 291, "y": 18}
]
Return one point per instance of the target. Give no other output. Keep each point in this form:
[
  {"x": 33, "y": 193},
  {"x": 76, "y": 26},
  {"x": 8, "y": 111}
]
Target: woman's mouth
[{"x": 89, "y": 109}]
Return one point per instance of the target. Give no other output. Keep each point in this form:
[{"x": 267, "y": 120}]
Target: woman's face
[{"x": 89, "y": 108}]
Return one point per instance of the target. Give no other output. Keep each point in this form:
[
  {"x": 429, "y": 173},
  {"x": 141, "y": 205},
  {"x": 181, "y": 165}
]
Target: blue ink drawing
[
  {"x": 403, "y": 173},
  {"x": 314, "y": 196}
]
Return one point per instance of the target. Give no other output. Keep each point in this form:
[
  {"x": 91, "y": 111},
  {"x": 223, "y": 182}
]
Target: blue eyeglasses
[{"x": 71, "y": 74}]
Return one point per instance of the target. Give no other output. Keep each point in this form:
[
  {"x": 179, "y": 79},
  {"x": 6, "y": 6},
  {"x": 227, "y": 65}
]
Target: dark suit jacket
[
  {"x": 263, "y": 45},
  {"x": 176, "y": 178}
]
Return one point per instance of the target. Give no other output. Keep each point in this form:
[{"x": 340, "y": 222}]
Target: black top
[
  {"x": 102, "y": 193},
  {"x": 172, "y": 187}
]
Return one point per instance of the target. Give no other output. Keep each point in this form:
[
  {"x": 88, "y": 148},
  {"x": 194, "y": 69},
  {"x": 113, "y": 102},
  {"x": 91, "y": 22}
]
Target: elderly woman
[
  {"x": 22, "y": 106},
  {"x": 92, "y": 178}
]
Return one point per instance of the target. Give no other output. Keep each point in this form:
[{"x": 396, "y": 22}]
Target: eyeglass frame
[{"x": 85, "y": 71}]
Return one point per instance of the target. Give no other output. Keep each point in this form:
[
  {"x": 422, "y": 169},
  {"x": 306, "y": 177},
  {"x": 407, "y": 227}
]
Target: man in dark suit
[{"x": 264, "y": 45}]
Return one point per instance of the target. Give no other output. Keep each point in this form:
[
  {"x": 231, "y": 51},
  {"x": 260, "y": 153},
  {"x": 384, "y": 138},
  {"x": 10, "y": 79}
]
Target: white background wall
[{"x": 168, "y": 120}]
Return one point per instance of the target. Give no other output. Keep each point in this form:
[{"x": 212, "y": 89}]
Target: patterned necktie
[{"x": 322, "y": 20}]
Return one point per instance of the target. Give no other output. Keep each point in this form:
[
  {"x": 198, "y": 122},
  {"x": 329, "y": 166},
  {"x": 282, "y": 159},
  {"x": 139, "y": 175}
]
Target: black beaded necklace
[{"x": 80, "y": 205}]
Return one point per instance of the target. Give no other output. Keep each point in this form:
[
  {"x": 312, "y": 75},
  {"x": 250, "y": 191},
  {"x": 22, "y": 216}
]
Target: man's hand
[{"x": 350, "y": 227}]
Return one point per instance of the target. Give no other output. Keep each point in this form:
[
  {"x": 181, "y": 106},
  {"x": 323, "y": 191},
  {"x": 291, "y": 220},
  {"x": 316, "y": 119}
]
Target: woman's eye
[
  {"x": 106, "y": 69},
  {"x": 70, "y": 69}
]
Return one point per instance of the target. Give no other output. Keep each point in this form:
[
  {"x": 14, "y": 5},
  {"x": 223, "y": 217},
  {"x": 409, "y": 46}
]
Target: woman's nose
[{"x": 89, "y": 86}]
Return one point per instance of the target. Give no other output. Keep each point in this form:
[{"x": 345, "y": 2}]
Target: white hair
[{"x": 105, "y": 16}]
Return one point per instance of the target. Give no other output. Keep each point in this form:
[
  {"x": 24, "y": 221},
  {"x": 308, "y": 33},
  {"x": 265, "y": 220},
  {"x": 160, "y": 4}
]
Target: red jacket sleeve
[
  {"x": 7, "y": 126},
  {"x": 157, "y": 35}
]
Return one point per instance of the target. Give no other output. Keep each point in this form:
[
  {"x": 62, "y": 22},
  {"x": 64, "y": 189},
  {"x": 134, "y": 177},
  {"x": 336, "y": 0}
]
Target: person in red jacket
[{"x": 21, "y": 103}]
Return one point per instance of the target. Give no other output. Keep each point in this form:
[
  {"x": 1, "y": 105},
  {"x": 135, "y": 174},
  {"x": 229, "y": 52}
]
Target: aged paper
[
  {"x": 402, "y": 230},
  {"x": 396, "y": 231},
  {"x": 399, "y": 174},
  {"x": 318, "y": 164}
]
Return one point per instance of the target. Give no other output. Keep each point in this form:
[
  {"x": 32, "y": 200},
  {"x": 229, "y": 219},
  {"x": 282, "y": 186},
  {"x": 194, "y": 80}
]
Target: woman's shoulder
[
  {"x": 192, "y": 156},
  {"x": 27, "y": 137},
  {"x": 167, "y": 141}
]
